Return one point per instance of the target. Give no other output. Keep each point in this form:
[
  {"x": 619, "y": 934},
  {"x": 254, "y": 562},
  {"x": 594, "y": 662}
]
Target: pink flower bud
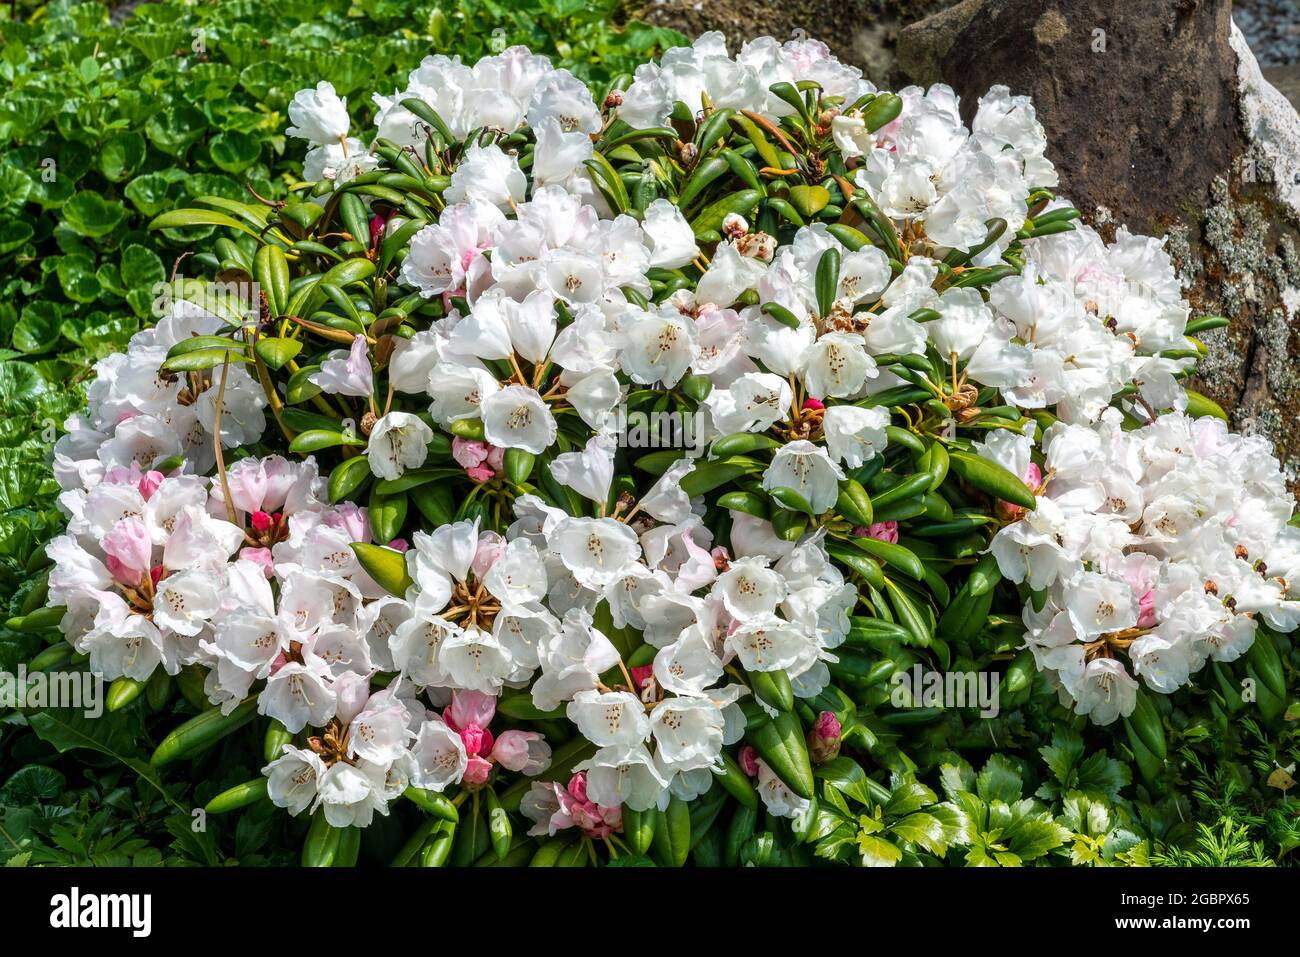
[
  {"x": 884, "y": 532},
  {"x": 377, "y": 224},
  {"x": 468, "y": 453},
  {"x": 524, "y": 751},
  {"x": 149, "y": 483},
  {"x": 490, "y": 548},
  {"x": 399, "y": 545},
  {"x": 496, "y": 458},
  {"x": 129, "y": 550},
  {"x": 578, "y": 787},
  {"x": 480, "y": 473},
  {"x": 813, "y": 404},
  {"x": 477, "y": 740},
  {"x": 121, "y": 572},
  {"x": 642, "y": 675},
  {"x": 1147, "y": 609},
  {"x": 261, "y": 521},
  {"x": 477, "y": 772},
  {"x": 1009, "y": 512},
  {"x": 469, "y": 708},
  {"x": 749, "y": 760},
  {"x": 827, "y": 726},
  {"x": 259, "y": 556},
  {"x": 824, "y": 738}
]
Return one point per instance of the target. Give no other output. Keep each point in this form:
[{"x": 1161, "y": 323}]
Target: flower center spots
[
  {"x": 667, "y": 339},
  {"x": 613, "y": 716},
  {"x": 303, "y": 777}
]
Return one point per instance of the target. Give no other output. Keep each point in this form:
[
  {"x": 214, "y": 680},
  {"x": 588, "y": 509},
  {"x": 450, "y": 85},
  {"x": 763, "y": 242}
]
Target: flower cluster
[
  {"x": 141, "y": 416},
  {"x": 896, "y": 352},
  {"x": 1159, "y": 548},
  {"x": 375, "y": 747},
  {"x": 490, "y": 612}
]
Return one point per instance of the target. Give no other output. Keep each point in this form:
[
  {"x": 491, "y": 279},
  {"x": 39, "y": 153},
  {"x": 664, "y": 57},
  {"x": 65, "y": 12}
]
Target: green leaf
[
  {"x": 876, "y": 851},
  {"x": 14, "y": 234},
  {"x": 846, "y": 776},
  {"x": 117, "y": 735},
  {"x": 313, "y": 440},
  {"x": 122, "y": 156},
  {"x": 988, "y": 476},
  {"x": 907, "y": 796},
  {"x": 1031, "y": 839},
  {"x": 277, "y": 352},
  {"x": 90, "y": 215},
  {"x": 38, "y": 329},
  {"x": 141, "y": 268},
  {"x": 672, "y": 835},
  {"x": 780, "y": 742},
  {"x": 386, "y": 566},
  {"x": 809, "y": 200},
  {"x": 923, "y": 829},
  {"x": 77, "y": 277},
  {"x": 741, "y": 203},
  {"x": 1199, "y": 405},
  {"x": 181, "y": 218},
  {"x": 999, "y": 780},
  {"x": 774, "y": 688},
  {"x": 202, "y": 359},
  {"x": 234, "y": 151}
]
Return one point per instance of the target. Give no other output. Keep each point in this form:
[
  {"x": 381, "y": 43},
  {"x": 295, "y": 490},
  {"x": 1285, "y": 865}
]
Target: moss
[{"x": 1238, "y": 260}]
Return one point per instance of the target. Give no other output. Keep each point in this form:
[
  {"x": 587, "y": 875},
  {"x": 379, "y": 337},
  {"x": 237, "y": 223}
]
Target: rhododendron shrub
[{"x": 398, "y": 510}]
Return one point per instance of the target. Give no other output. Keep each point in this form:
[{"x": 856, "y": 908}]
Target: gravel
[{"x": 1272, "y": 27}]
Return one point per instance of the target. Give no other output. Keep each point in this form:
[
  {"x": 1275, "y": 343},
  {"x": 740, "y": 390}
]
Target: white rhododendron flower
[
  {"x": 319, "y": 116},
  {"x": 398, "y": 441},
  {"x": 807, "y": 469}
]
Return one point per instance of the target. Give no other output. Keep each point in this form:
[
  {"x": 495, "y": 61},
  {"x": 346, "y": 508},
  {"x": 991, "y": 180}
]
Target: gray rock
[{"x": 1138, "y": 102}]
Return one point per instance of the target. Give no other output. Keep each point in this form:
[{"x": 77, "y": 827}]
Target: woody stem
[{"x": 216, "y": 440}]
